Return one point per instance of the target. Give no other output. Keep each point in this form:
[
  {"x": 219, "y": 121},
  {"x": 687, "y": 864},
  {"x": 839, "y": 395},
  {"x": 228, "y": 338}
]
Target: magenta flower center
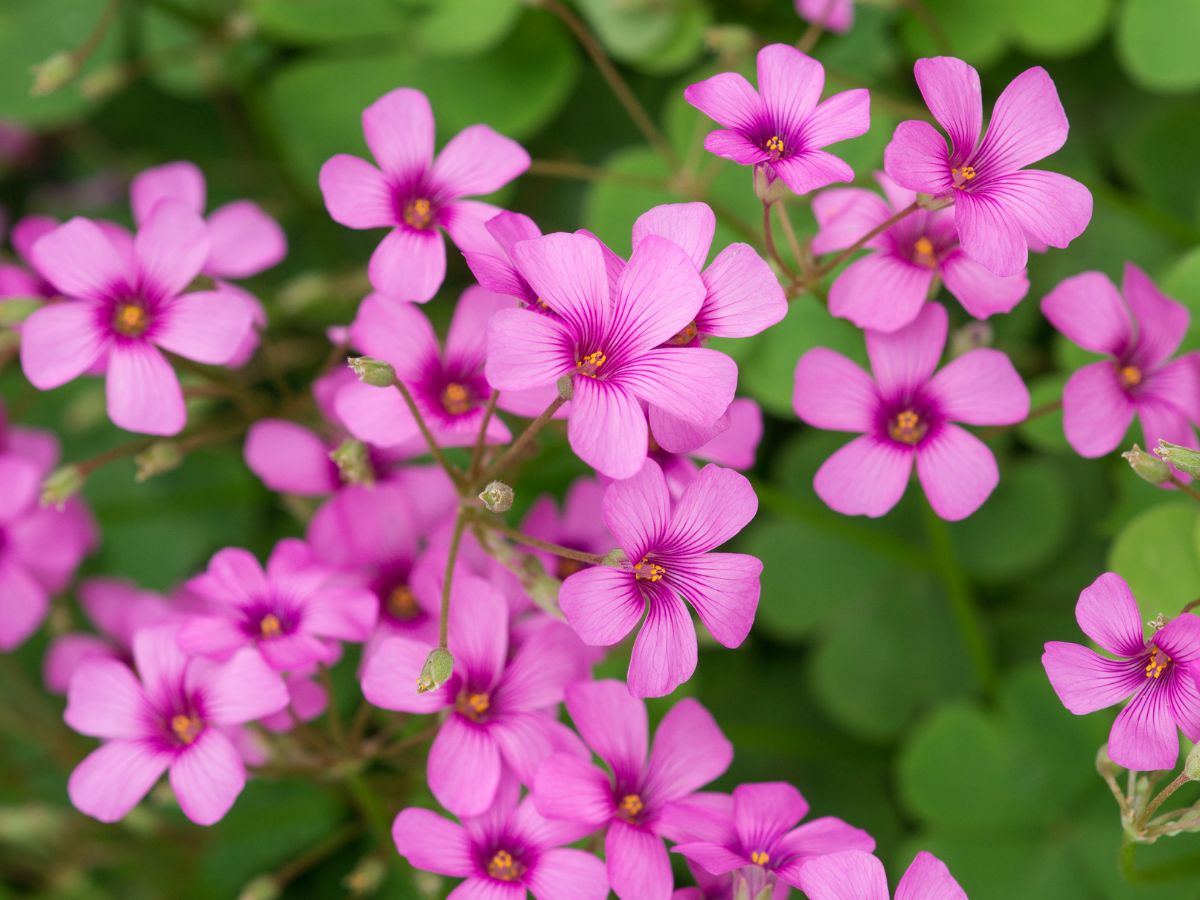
[
  {"x": 648, "y": 571},
  {"x": 962, "y": 175},
  {"x": 503, "y": 867},
  {"x": 418, "y": 213},
  {"x": 1157, "y": 663},
  {"x": 760, "y": 857},
  {"x": 590, "y": 365},
  {"x": 474, "y": 705},
  {"x": 907, "y": 427},
  {"x": 130, "y": 319},
  {"x": 186, "y": 727},
  {"x": 630, "y": 808},
  {"x": 924, "y": 253},
  {"x": 1130, "y": 376}
]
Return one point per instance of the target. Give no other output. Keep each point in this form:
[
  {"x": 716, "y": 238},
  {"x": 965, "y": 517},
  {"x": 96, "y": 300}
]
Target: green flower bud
[
  {"x": 16, "y": 310},
  {"x": 1191, "y": 764},
  {"x": 566, "y": 387},
  {"x": 497, "y": 497},
  {"x": 928, "y": 201},
  {"x": 1146, "y": 466},
  {"x": 374, "y": 372},
  {"x": 615, "y": 558},
  {"x": 159, "y": 457},
  {"x": 353, "y": 462},
  {"x": 1183, "y": 458},
  {"x": 1104, "y": 764},
  {"x": 438, "y": 668},
  {"x": 264, "y": 887},
  {"x": 105, "y": 82},
  {"x": 53, "y": 74},
  {"x": 61, "y": 485}
]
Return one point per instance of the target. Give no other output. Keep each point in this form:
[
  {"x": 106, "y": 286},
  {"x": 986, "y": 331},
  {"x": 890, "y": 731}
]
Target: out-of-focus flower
[
  {"x": 23, "y": 281},
  {"x": 1159, "y": 672},
  {"x": 416, "y": 195},
  {"x": 854, "y": 875},
  {"x": 886, "y": 288},
  {"x": 832, "y": 15},
  {"x": 781, "y": 127},
  {"x": 169, "y": 717},
  {"x": 643, "y": 798},
  {"x": 578, "y": 525},
  {"x": 734, "y": 445},
  {"x": 1138, "y": 332},
  {"x": 999, "y": 205},
  {"x": 906, "y": 415}
]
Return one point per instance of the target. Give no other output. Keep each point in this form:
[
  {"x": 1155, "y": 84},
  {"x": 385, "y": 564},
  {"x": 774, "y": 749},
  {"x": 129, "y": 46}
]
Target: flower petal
[
  {"x": 763, "y": 812},
  {"x": 724, "y": 589},
  {"x": 464, "y": 767},
  {"x": 951, "y": 90},
  {"x": 790, "y": 84},
  {"x": 182, "y": 181},
  {"x": 981, "y": 387},
  {"x": 112, "y": 779},
  {"x": 713, "y": 858},
  {"x": 990, "y": 232},
  {"x": 689, "y": 226},
  {"x": 744, "y": 296},
  {"x": 734, "y": 145},
  {"x": 245, "y": 241},
  {"x": 927, "y": 878},
  {"x": 981, "y": 292},
  {"x": 812, "y": 169},
  {"x": 432, "y": 843},
  {"x": 476, "y": 161},
  {"x": 903, "y": 360},
  {"x": 916, "y": 158},
  {"x": 844, "y": 215},
  {"x": 728, "y": 99},
  {"x": 399, "y": 130},
  {"x": 689, "y": 751},
  {"x": 838, "y": 117},
  {"x": 695, "y": 383},
  {"x": 563, "y": 874},
  {"x": 1027, "y": 124},
  {"x": 867, "y": 477},
  {"x": 409, "y": 264},
  {"x": 171, "y": 248},
  {"x": 833, "y": 393},
  {"x": 526, "y": 350},
  {"x": 289, "y": 458},
  {"x": 602, "y": 604},
  {"x": 1144, "y": 737},
  {"x": 1050, "y": 207},
  {"x": 957, "y": 471},
  {"x": 356, "y": 193},
  {"x": 658, "y": 294},
  {"x": 241, "y": 690},
  {"x": 1085, "y": 681},
  {"x": 612, "y": 722},
  {"x": 664, "y": 652},
  {"x": 567, "y": 787},
  {"x": 638, "y": 865},
  {"x": 607, "y": 428},
  {"x": 143, "y": 392},
  {"x": 880, "y": 291},
  {"x": 105, "y": 700},
  {"x": 714, "y": 507},
  {"x": 824, "y": 835},
  {"x": 1096, "y": 410},
  {"x": 1107, "y": 612},
  {"x": 60, "y": 342},
  {"x": 850, "y": 875},
  {"x": 160, "y": 663},
  {"x": 207, "y": 777},
  {"x": 79, "y": 260},
  {"x": 1161, "y": 321},
  {"x": 567, "y": 271},
  {"x": 389, "y": 677},
  {"x": 206, "y": 326},
  {"x": 1089, "y": 311}
]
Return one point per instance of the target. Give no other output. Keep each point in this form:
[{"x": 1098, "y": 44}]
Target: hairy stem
[
  {"x": 772, "y": 250},
  {"x": 529, "y": 540},
  {"x": 481, "y": 438},
  {"x": 825, "y": 268},
  {"x": 455, "y": 475}
]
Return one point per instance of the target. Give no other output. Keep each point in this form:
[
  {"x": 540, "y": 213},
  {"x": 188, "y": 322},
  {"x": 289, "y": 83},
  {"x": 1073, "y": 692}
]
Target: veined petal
[
  {"x": 566, "y": 874},
  {"x": 1161, "y": 321},
  {"x": 658, "y": 294},
  {"x": 206, "y": 326},
  {"x": 689, "y": 226},
  {"x": 664, "y": 653},
  {"x": 904, "y": 360},
  {"x": 432, "y": 843},
  {"x": 981, "y": 387},
  {"x": 1089, "y": 311},
  {"x": 1085, "y": 681},
  {"x": 612, "y": 722},
  {"x": 724, "y": 589},
  {"x": 1107, "y": 612},
  {"x": 526, "y": 350},
  {"x": 927, "y": 878},
  {"x": 171, "y": 247},
  {"x": 867, "y": 477},
  {"x": 409, "y": 264},
  {"x": 695, "y": 383},
  {"x": 478, "y": 160},
  {"x": 637, "y": 510},
  {"x": 844, "y": 215},
  {"x": 607, "y": 428},
  {"x": 143, "y": 392},
  {"x": 638, "y": 865},
  {"x": 728, "y": 99},
  {"x": 981, "y": 292},
  {"x": 1027, "y": 124},
  {"x": 790, "y": 83},
  {"x": 356, "y": 193},
  {"x": 744, "y": 296},
  {"x": 112, "y": 779},
  {"x": 764, "y": 811},
  {"x": 880, "y": 291},
  {"x": 207, "y": 777},
  {"x": 1096, "y": 411},
  {"x": 839, "y": 117},
  {"x": 181, "y": 181},
  {"x": 812, "y": 169},
  {"x": 602, "y": 604},
  {"x": 79, "y": 260},
  {"x": 567, "y": 787},
  {"x": 715, "y": 506},
  {"x": 1144, "y": 737},
  {"x": 1049, "y": 206},
  {"x": 916, "y": 158},
  {"x": 689, "y": 751},
  {"x": 399, "y": 130},
  {"x": 833, "y": 393},
  {"x": 567, "y": 272},
  {"x": 951, "y": 90},
  {"x": 990, "y": 231},
  {"x": 734, "y": 145},
  {"x": 957, "y": 471},
  {"x": 850, "y": 875},
  {"x": 105, "y": 700},
  {"x": 464, "y": 767}
]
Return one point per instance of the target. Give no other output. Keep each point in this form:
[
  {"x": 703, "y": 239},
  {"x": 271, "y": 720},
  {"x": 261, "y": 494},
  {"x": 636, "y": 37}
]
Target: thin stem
[
  {"x": 813, "y": 33},
  {"x": 1190, "y": 606},
  {"x": 460, "y": 522},
  {"x": 332, "y": 713},
  {"x": 529, "y": 540},
  {"x": 518, "y": 447},
  {"x": 1122, "y": 800},
  {"x": 315, "y": 854},
  {"x": 803, "y": 259},
  {"x": 637, "y": 113},
  {"x": 1152, "y": 807},
  {"x": 824, "y": 269},
  {"x": 1182, "y": 485},
  {"x": 772, "y": 250},
  {"x": 455, "y": 475},
  {"x": 480, "y": 439},
  {"x": 1037, "y": 412}
]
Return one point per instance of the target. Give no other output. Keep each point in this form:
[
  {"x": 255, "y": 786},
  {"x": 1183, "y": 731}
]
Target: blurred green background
[{"x": 893, "y": 673}]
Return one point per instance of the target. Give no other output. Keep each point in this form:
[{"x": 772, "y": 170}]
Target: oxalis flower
[
  {"x": 757, "y": 837},
  {"x": 1159, "y": 672},
  {"x": 999, "y": 205},
  {"x": 642, "y": 798},
  {"x": 832, "y": 15},
  {"x": 168, "y": 717},
  {"x": 610, "y": 346},
  {"x": 507, "y": 853},
  {"x": 854, "y": 875},
  {"x": 886, "y": 288},
  {"x": 124, "y": 308},
  {"x": 1138, "y": 332},
  {"x": 907, "y": 415},
  {"x": 781, "y": 127},
  {"x": 416, "y": 195},
  {"x": 669, "y": 562}
]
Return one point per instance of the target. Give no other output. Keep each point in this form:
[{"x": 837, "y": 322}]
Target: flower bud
[
  {"x": 367, "y": 877},
  {"x": 970, "y": 337},
  {"x": 53, "y": 74},
  {"x": 374, "y": 372},
  {"x": 615, "y": 558},
  {"x": 929, "y": 201},
  {"x": 1104, "y": 764},
  {"x": 61, "y": 485},
  {"x": 1191, "y": 764},
  {"x": 1184, "y": 459},
  {"x": 438, "y": 668},
  {"x": 1146, "y": 466},
  {"x": 566, "y": 387},
  {"x": 264, "y": 887},
  {"x": 102, "y": 84},
  {"x": 353, "y": 462},
  {"x": 159, "y": 457},
  {"x": 497, "y": 497}
]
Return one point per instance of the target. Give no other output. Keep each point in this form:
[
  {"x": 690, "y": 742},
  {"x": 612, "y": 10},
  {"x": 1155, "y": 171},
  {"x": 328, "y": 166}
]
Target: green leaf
[
  {"x": 463, "y": 27},
  {"x": 1059, "y": 28},
  {"x": 974, "y": 30},
  {"x": 326, "y": 21},
  {"x": 631, "y": 31},
  {"x": 1157, "y": 41},
  {"x": 1157, "y": 553}
]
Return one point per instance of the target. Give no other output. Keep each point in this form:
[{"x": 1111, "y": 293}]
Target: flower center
[
  {"x": 1158, "y": 662},
  {"x": 923, "y": 252},
  {"x": 418, "y": 213},
  {"x": 760, "y": 857},
  {"x": 630, "y": 807},
  {"x": 1130, "y": 376},
  {"x": 401, "y": 602},
  {"x": 270, "y": 626},
  {"x": 648, "y": 571},
  {"x": 685, "y": 336},
  {"x": 774, "y": 146},
  {"x": 962, "y": 176},
  {"x": 568, "y": 567},
  {"x": 503, "y": 867},
  {"x": 474, "y": 705},
  {"x": 131, "y": 320},
  {"x": 186, "y": 728},
  {"x": 456, "y": 399},
  {"x": 590, "y": 364},
  {"x": 907, "y": 427}
]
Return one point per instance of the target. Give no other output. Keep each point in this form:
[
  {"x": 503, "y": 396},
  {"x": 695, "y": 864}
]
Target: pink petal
[
  {"x": 1085, "y": 681},
  {"x": 562, "y": 874},
  {"x": 833, "y": 393},
  {"x": 23, "y": 604},
  {"x": 824, "y": 835},
  {"x": 205, "y": 326},
  {"x": 981, "y": 387},
  {"x": 466, "y": 222},
  {"x": 399, "y": 130},
  {"x": 397, "y": 332},
  {"x": 464, "y": 767},
  {"x": 735, "y": 146},
  {"x": 79, "y": 260},
  {"x": 602, "y": 604},
  {"x": 389, "y": 677},
  {"x": 715, "y": 506},
  {"x": 981, "y": 292},
  {"x": 245, "y": 241},
  {"x": 567, "y": 271},
  {"x": 736, "y": 445},
  {"x": 378, "y": 416},
  {"x": 927, "y": 878},
  {"x": 478, "y": 629},
  {"x": 1161, "y": 321},
  {"x": 812, "y": 169},
  {"x": 295, "y": 652},
  {"x": 466, "y": 341},
  {"x": 612, "y": 723},
  {"x": 238, "y": 573},
  {"x": 527, "y": 740},
  {"x": 477, "y": 161},
  {"x": 689, "y": 751},
  {"x": 744, "y": 296},
  {"x": 67, "y": 653},
  {"x": 607, "y": 428},
  {"x": 790, "y": 84},
  {"x": 289, "y": 458},
  {"x": 763, "y": 812},
  {"x": 712, "y": 858},
  {"x": 844, "y": 215},
  {"x": 211, "y": 636},
  {"x": 903, "y": 360},
  {"x": 881, "y": 291},
  {"x": 241, "y": 690},
  {"x": 1144, "y": 737},
  {"x": 1089, "y": 311},
  {"x": 567, "y": 787},
  {"x": 22, "y": 482},
  {"x": 637, "y": 510},
  {"x": 1050, "y": 207},
  {"x": 916, "y": 158},
  {"x": 951, "y": 90},
  {"x": 356, "y": 193},
  {"x": 1027, "y": 123},
  {"x": 1096, "y": 410},
  {"x": 638, "y": 865},
  {"x": 728, "y": 99},
  {"x": 545, "y": 663},
  {"x": 839, "y": 117},
  {"x": 171, "y": 247},
  {"x": 497, "y": 274},
  {"x": 867, "y": 477},
  {"x": 1108, "y": 613},
  {"x": 105, "y": 700},
  {"x": 1180, "y": 639},
  {"x": 526, "y": 350},
  {"x": 850, "y": 875},
  {"x": 182, "y": 181},
  {"x": 1185, "y": 705},
  {"x": 160, "y": 663},
  {"x": 689, "y": 226},
  {"x": 724, "y": 590},
  {"x": 60, "y": 342},
  {"x": 409, "y": 264},
  {"x": 433, "y": 844},
  {"x": 836, "y": 16},
  {"x": 1165, "y": 421},
  {"x": 695, "y": 383},
  {"x": 479, "y": 887},
  {"x": 957, "y": 471},
  {"x": 114, "y": 778},
  {"x": 676, "y": 435},
  {"x": 990, "y": 232},
  {"x": 143, "y": 392},
  {"x": 342, "y": 613},
  {"x": 207, "y": 777}
]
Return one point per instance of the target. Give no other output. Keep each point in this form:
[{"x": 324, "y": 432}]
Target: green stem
[
  {"x": 825, "y": 268},
  {"x": 455, "y": 475},
  {"x": 529, "y": 540},
  {"x": 481, "y": 438},
  {"x": 460, "y": 522},
  {"x": 772, "y": 250},
  {"x": 518, "y": 447}
]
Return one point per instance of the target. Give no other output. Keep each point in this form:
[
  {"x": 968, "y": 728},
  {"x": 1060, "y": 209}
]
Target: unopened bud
[
  {"x": 1104, "y": 764},
  {"x": 1191, "y": 764},
  {"x": 353, "y": 462},
  {"x": 1147, "y": 467},
  {"x": 615, "y": 558},
  {"x": 61, "y": 485},
  {"x": 497, "y": 497},
  {"x": 53, "y": 74},
  {"x": 1185, "y": 459},
  {"x": 264, "y": 887},
  {"x": 931, "y": 202},
  {"x": 366, "y": 878},
  {"x": 767, "y": 187},
  {"x": 159, "y": 457},
  {"x": 374, "y": 372},
  {"x": 970, "y": 337},
  {"x": 104, "y": 83},
  {"x": 566, "y": 387},
  {"x": 16, "y": 310},
  {"x": 438, "y": 668}
]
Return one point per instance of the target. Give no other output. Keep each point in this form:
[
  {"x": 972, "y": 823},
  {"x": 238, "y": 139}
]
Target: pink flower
[
  {"x": 579, "y": 526},
  {"x": 24, "y": 281},
  {"x": 999, "y": 205},
  {"x": 498, "y": 272},
  {"x": 885, "y": 289},
  {"x": 503, "y": 854},
  {"x": 295, "y": 612},
  {"x": 781, "y": 127},
  {"x": 1160, "y": 673},
  {"x": 40, "y": 546},
  {"x": 760, "y": 837},
  {"x": 501, "y": 711},
  {"x": 610, "y": 346},
  {"x": 170, "y": 719},
  {"x": 414, "y": 194},
  {"x": 906, "y": 415},
  {"x": 1138, "y": 333},
  {"x": 640, "y": 800},
  {"x": 734, "y": 445},
  {"x": 669, "y": 558},
  {"x": 832, "y": 15},
  {"x": 854, "y": 875},
  {"x": 123, "y": 308}
]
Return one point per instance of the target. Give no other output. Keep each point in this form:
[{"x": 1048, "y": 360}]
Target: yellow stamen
[
  {"x": 591, "y": 363},
  {"x": 685, "y": 336},
  {"x": 186, "y": 728},
  {"x": 760, "y": 857},
  {"x": 419, "y": 213},
  {"x": 630, "y": 807},
  {"x": 130, "y": 319},
  {"x": 775, "y": 144},
  {"x": 503, "y": 867},
  {"x": 456, "y": 400},
  {"x": 907, "y": 427},
  {"x": 923, "y": 249},
  {"x": 1131, "y": 376},
  {"x": 1158, "y": 662},
  {"x": 401, "y": 602},
  {"x": 648, "y": 571},
  {"x": 270, "y": 626},
  {"x": 474, "y": 705}
]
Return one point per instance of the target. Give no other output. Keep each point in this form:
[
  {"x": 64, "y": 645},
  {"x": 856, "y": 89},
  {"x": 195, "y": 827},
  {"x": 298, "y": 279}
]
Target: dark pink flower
[
  {"x": 854, "y": 875},
  {"x": 886, "y": 288},
  {"x": 579, "y": 525},
  {"x": 999, "y": 205},
  {"x": 507, "y": 853},
  {"x": 610, "y": 345},
  {"x": 1159, "y": 672},
  {"x": 168, "y": 717},
  {"x": 416, "y": 195},
  {"x": 1138, "y": 333},
  {"x": 781, "y": 126},
  {"x": 124, "y": 307},
  {"x": 832, "y": 15},
  {"x": 644, "y": 797},
  {"x": 501, "y": 710},
  {"x": 906, "y": 415}
]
